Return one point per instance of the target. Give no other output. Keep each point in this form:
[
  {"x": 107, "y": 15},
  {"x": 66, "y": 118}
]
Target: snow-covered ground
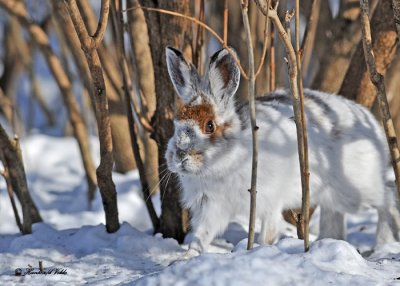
[{"x": 73, "y": 243}]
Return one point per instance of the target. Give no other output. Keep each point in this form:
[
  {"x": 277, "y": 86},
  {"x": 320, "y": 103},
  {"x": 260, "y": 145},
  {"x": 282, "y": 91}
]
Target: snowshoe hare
[{"x": 211, "y": 152}]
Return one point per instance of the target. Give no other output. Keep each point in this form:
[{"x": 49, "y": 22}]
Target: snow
[
  {"x": 328, "y": 261},
  {"x": 73, "y": 239}
]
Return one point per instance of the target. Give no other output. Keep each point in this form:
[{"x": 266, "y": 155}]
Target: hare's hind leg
[
  {"x": 388, "y": 216},
  {"x": 269, "y": 228},
  {"x": 332, "y": 224},
  {"x": 388, "y": 226}
]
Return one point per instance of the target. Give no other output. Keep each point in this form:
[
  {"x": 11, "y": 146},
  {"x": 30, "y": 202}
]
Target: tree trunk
[
  {"x": 335, "y": 43},
  {"x": 392, "y": 79},
  {"x": 122, "y": 151},
  {"x": 166, "y": 30},
  {"x": 13, "y": 160},
  {"x": 357, "y": 84},
  {"x": 99, "y": 99}
]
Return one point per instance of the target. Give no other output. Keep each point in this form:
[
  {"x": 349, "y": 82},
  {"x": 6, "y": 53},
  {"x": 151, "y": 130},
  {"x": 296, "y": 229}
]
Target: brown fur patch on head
[{"x": 202, "y": 114}]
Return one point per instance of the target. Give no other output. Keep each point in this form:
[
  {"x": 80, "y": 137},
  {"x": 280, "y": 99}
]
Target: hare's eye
[{"x": 210, "y": 127}]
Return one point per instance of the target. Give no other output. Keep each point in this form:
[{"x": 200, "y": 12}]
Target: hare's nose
[{"x": 181, "y": 154}]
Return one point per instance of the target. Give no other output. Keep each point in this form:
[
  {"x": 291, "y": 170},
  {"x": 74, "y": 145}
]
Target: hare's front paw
[
  {"x": 196, "y": 245},
  {"x": 190, "y": 253}
]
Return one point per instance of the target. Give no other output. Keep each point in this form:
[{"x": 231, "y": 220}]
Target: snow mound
[
  {"x": 88, "y": 254},
  {"x": 328, "y": 262}
]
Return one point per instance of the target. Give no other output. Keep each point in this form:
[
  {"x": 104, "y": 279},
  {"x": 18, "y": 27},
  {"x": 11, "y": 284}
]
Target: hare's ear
[
  {"x": 183, "y": 75},
  {"x": 224, "y": 75}
]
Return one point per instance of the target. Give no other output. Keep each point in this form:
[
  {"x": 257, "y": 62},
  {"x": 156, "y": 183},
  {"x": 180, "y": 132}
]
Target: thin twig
[
  {"x": 378, "y": 80},
  {"x": 198, "y": 55},
  {"x": 89, "y": 42},
  {"x": 226, "y": 21},
  {"x": 143, "y": 120},
  {"x": 102, "y": 26},
  {"x": 136, "y": 151},
  {"x": 288, "y": 17},
  {"x": 265, "y": 45},
  {"x": 194, "y": 20},
  {"x": 309, "y": 35},
  {"x": 297, "y": 103},
  {"x": 298, "y": 219},
  {"x": 109, "y": 66},
  {"x": 263, "y": 6},
  {"x": 272, "y": 81},
  {"x": 141, "y": 60},
  {"x": 305, "y": 206},
  {"x": 254, "y": 128}
]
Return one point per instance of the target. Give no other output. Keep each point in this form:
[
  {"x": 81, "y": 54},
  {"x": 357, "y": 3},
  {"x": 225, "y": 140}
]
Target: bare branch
[
  {"x": 272, "y": 78},
  {"x": 194, "y": 20},
  {"x": 102, "y": 26},
  {"x": 378, "y": 80},
  {"x": 254, "y": 128},
  {"x": 79, "y": 25},
  {"x": 298, "y": 107},
  {"x": 109, "y": 66},
  {"x": 89, "y": 42},
  {"x": 198, "y": 55},
  {"x": 143, "y": 120},
  {"x": 136, "y": 151},
  {"x": 264, "y": 52},
  {"x": 263, "y": 5},
  {"x": 99, "y": 98},
  {"x": 305, "y": 206},
  {"x": 288, "y": 17},
  {"x": 128, "y": 96},
  {"x": 309, "y": 35},
  {"x": 143, "y": 63},
  {"x": 226, "y": 21}
]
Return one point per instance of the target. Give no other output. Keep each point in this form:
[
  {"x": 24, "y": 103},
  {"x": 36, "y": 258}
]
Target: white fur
[{"x": 348, "y": 158}]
